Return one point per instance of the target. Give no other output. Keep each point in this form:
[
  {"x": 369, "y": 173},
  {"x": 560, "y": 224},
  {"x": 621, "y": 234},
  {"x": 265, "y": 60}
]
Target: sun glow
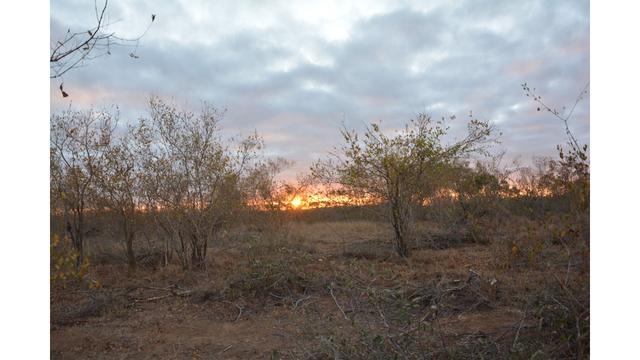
[{"x": 296, "y": 202}]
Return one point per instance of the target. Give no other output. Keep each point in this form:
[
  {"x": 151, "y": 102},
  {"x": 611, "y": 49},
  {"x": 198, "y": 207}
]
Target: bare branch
[{"x": 77, "y": 48}]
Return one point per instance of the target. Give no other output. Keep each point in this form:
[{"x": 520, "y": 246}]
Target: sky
[{"x": 296, "y": 71}]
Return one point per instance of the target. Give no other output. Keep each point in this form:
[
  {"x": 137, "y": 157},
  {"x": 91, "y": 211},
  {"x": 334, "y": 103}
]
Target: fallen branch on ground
[
  {"x": 174, "y": 290},
  {"x": 338, "y": 305}
]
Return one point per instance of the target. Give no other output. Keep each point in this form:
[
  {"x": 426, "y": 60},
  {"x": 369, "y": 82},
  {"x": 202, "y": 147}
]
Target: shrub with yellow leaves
[{"x": 63, "y": 263}]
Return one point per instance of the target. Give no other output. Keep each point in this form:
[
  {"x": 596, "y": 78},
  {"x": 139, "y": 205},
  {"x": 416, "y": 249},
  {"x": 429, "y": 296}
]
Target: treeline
[
  {"x": 173, "y": 166},
  {"x": 174, "y": 172}
]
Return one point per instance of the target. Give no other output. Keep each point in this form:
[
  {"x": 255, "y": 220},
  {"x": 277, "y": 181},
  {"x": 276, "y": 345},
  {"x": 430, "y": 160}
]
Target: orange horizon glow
[{"x": 317, "y": 200}]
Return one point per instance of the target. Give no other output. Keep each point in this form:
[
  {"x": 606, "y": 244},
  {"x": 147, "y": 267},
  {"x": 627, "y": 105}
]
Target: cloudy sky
[{"x": 295, "y": 71}]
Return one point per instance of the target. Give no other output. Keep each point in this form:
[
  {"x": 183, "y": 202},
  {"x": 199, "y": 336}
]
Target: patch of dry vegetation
[{"x": 305, "y": 295}]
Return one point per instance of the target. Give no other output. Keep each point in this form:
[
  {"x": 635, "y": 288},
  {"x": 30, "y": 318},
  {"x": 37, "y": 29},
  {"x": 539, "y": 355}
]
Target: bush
[{"x": 63, "y": 263}]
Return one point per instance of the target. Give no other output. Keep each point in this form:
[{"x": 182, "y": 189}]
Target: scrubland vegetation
[{"x": 172, "y": 241}]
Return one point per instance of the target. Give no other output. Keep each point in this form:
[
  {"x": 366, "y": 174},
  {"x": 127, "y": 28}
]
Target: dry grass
[{"x": 328, "y": 290}]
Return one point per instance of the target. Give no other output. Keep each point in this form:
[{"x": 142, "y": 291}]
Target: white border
[
  {"x": 24, "y": 180},
  {"x": 615, "y": 138},
  {"x": 24, "y": 131}
]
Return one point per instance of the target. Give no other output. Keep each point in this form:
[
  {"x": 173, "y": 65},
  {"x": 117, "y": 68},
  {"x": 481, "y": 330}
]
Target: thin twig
[
  {"x": 297, "y": 302},
  {"x": 239, "y": 310},
  {"x": 225, "y": 349},
  {"x": 384, "y": 319},
  {"x": 338, "y": 305},
  {"x": 152, "y": 298},
  {"x": 515, "y": 340}
]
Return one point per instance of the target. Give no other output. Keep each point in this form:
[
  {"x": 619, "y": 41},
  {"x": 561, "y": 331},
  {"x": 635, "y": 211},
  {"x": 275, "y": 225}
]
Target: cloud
[{"x": 296, "y": 72}]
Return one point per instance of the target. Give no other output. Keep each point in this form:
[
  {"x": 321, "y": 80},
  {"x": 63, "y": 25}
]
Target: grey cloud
[{"x": 296, "y": 87}]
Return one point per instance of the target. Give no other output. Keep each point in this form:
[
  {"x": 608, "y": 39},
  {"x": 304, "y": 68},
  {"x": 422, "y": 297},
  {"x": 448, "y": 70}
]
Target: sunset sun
[{"x": 296, "y": 202}]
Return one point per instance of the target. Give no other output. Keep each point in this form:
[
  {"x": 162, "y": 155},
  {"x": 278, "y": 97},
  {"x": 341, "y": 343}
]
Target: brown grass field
[{"x": 331, "y": 290}]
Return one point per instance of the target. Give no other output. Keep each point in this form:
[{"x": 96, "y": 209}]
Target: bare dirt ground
[{"x": 321, "y": 289}]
